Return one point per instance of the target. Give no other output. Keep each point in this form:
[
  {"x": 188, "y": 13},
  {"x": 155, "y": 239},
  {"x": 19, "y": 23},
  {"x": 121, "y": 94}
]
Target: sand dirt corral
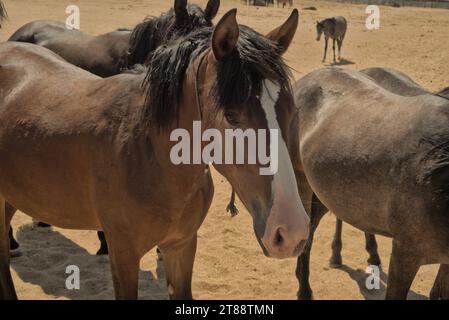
[{"x": 229, "y": 262}]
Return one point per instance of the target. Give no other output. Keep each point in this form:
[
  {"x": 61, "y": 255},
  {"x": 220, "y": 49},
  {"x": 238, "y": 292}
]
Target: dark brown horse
[
  {"x": 107, "y": 54},
  {"x": 379, "y": 161},
  {"x": 83, "y": 152}
]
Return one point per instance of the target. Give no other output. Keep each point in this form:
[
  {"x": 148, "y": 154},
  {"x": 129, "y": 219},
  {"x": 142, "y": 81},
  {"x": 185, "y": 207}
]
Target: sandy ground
[{"x": 229, "y": 263}]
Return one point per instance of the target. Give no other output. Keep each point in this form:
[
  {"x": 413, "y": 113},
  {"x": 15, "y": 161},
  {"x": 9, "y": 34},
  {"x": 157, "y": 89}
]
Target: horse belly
[
  {"x": 48, "y": 180},
  {"x": 358, "y": 188}
]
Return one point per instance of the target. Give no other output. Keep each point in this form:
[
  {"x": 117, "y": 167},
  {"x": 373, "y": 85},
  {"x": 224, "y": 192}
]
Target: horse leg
[
  {"x": 440, "y": 289},
  {"x": 178, "y": 264},
  {"x": 303, "y": 265},
  {"x": 14, "y": 247},
  {"x": 103, "y": 244},
  {"x": 371, "y": 248},
  {"x": 335, "y": 260},
  {"x": 339, "y": 43},
  {"x": 326, "y": 39},
  {"x": 125, "y": 262},
  {"x": 333, "y": 48},
  {"x": 402, "y": 270},
  {"x": 7, "y": 290}
]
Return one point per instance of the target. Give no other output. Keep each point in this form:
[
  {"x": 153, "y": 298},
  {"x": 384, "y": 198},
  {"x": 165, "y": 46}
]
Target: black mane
[
  {"x": 154, "y": 31},
  {"x": 3, "y": 14},
  {"x": 239, "y": 76}
]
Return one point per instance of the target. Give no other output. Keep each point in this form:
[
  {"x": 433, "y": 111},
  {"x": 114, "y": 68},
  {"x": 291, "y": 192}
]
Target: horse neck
[
  {"x": 329, "y": 28},
  {"x": 157, "y": 144}
]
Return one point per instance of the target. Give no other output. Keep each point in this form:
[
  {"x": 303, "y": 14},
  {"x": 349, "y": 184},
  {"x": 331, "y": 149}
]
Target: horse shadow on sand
[
  {"x": 359, "y": 276},
  {"x": 47, "y": 253},
  {"x": 341, "y": 62}
]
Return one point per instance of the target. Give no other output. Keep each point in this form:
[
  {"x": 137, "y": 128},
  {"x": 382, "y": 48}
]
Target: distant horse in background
[
  {"x": 284, "y": 3},
  {"x": 334, "y": 28},
  {"x": 110, "y": 53},
  {"x": 264, "y": 3}
]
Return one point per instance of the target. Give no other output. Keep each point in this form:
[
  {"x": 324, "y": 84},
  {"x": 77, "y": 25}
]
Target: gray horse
[
  {"x": 334, "y": 28},
  {"x": 379, "y": 161},
  {"x": 399, "y": 83}
]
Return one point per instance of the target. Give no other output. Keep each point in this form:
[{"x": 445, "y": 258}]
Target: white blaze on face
[{"x": 287, "y": 210}]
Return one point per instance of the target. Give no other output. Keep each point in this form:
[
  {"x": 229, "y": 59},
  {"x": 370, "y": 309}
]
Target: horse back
[
  {"x": 84, "y": 101},
  {"x": 58, "y": 125},
  {"x": 38, "y": 31},
  {"x": 395, "y": 81}
]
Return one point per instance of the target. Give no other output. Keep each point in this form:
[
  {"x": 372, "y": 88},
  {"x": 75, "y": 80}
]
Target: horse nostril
[{"x": 279, "y": 238}]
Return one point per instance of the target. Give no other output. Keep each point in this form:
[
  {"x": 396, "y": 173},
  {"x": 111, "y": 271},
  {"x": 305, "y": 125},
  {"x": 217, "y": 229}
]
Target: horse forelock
[{"x": 239, "y": 76}]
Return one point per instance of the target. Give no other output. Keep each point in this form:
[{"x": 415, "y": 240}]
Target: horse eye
[{"x": 232, "y": 117}]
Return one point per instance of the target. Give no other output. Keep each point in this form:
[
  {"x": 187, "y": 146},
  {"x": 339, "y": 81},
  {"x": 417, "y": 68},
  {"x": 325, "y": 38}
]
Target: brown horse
[
  {"x": 83, "y": 152},
  {"x": 107, "y": 54},
  {"x": 379, "y": 161}
]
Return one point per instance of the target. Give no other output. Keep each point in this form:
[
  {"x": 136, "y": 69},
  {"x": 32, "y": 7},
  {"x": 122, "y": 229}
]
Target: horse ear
[
  {"x": 212, "y": 9},
  {"x": 226, "y": 35},
  {"x": 180, "y": 6},
  {"x": 284, "y": 34}
]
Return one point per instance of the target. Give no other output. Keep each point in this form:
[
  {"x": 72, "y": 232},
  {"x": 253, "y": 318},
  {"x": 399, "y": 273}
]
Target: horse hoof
[
  {"x": 43, "y": 225},
  {"x": 102, "y": 252},
  {"x": 335, "y": 262},
  {"x": 335, "y": 265},
  {"x": 375, "y": 261},
  {"x": 14, "y": 253},
  {"x": 305, "y": 295},
  {"x": 159, "y": 255},
  {"x": 232, "y": 210}
]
